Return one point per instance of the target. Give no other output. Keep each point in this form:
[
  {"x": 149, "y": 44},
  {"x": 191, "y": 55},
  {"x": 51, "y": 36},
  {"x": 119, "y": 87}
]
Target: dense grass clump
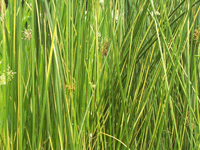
[{"x": 112, "y": 74}]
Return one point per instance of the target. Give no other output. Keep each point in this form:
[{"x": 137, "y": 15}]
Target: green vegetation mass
[{"x": 108, "y": 74}]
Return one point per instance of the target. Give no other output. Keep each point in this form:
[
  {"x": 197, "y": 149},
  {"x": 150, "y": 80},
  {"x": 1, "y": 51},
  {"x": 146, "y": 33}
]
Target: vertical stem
[{"x": 33, "y": 73}]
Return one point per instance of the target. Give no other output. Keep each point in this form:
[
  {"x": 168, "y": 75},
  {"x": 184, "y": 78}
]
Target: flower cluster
[
  {"x": 28, "y": 34},
  {"x": 71, "y": 86},
  {"x": 196, "y": 35},
  {"x": 105, "y": 47},
  {"x": 6, "y": 76}
]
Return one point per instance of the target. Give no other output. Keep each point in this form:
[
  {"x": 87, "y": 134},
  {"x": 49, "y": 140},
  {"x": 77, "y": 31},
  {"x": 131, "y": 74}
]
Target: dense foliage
[{"x": 113, "y": 74}]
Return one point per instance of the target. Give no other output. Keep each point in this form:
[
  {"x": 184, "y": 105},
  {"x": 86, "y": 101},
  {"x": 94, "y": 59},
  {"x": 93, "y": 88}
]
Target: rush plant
[{"x": 112, "y": 74}]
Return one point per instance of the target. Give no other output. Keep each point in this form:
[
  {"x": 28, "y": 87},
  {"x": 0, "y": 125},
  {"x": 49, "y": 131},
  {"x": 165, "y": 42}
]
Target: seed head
[
  {"x": 105, "y": 47},
  {"x": 28, "y": 34},
  {"x": 196, "y": 35}
]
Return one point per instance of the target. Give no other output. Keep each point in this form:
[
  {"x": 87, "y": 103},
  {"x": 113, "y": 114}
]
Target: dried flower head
[
  {"x": 196, "y": 35},
  {"x": 105, "y": 47},
  {"x": 6, "y": 76},
  {"x": 71, "y": 87},
  {"x": 27, "y": 34}
]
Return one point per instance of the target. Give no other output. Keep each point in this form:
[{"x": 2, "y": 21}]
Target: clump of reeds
[{"x": 133, "y": 81}]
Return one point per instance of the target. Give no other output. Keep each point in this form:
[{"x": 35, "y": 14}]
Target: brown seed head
[
  {"x": 196, "y": 35},
  {"x": 105, "y": 47},
  {"x": 27, "y": 34}
]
